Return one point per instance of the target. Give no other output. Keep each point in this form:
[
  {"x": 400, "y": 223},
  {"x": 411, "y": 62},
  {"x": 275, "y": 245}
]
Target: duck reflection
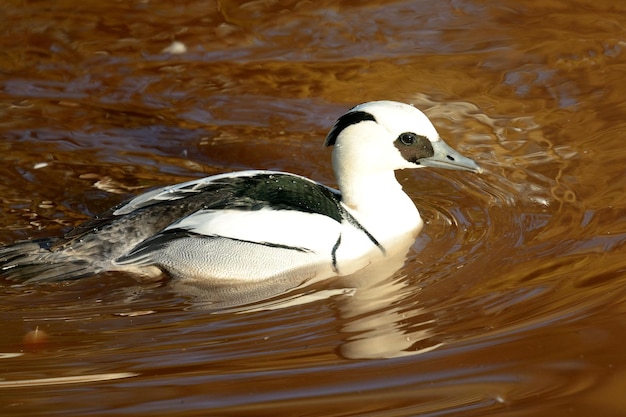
[
  {"x": 377, "y": 318},
  {"x": 371, "y": 303}
]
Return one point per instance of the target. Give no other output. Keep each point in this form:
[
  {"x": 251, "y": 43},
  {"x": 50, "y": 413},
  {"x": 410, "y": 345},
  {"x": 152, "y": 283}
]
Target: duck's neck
[{"x": 378, "y": 202}]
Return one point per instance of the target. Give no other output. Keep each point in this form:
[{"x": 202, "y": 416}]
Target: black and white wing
[{"x": 251, "y": 223}]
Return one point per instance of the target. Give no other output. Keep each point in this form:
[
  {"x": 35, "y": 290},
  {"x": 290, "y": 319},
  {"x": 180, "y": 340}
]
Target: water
[{"x": 510, "y": 302}]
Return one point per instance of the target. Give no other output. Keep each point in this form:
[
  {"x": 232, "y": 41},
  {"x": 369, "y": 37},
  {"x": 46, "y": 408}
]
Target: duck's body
[{"x": 255, "y": 225}]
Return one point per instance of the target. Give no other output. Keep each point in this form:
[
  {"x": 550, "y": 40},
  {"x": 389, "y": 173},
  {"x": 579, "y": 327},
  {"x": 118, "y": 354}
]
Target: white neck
[
  {"x": 364, "y": 167},
  {"x": 378, "y": 202}
]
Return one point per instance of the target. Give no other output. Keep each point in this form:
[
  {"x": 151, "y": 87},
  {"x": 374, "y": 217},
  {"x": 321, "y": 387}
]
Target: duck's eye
[{"x": 407, "y": 138}]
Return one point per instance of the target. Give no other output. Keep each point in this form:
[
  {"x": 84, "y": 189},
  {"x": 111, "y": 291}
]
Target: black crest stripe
[{"x": 344, "y": 121}]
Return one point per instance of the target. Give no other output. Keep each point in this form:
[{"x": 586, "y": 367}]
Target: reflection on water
[
  {"x": 510, "y": 301},
  {"x": 362, "y": 303},
  {"x": 377, "y": 316}
]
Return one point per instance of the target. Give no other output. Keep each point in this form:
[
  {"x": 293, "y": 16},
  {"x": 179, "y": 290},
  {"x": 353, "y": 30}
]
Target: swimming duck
[{"x": 257, "y": 225}]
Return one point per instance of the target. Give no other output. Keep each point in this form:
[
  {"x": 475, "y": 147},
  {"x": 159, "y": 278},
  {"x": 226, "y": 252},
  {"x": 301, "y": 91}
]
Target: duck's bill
[{"x": 448, "y": 158}]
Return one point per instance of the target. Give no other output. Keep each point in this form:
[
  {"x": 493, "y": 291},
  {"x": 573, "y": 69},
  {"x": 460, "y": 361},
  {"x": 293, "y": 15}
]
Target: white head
[{"x": 383, "y": 136}]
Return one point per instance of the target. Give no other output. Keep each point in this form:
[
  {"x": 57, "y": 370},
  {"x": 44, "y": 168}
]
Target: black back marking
[
  {"x": 276, "y": 191},
  {"x": 344, "y": 121},
  {"x": 334, "y": 254}
]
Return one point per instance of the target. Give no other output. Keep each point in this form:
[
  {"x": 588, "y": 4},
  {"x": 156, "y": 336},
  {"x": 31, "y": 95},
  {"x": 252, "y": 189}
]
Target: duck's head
[{"x": 383, "y": 136}]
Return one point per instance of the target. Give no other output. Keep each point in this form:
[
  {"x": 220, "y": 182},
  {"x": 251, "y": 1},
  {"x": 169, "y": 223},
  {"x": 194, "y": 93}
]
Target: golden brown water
[{"x": 510, "y": 303}]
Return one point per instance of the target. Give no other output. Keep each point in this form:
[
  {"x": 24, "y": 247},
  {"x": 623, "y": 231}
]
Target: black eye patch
[{"x": 414, "y": 147}]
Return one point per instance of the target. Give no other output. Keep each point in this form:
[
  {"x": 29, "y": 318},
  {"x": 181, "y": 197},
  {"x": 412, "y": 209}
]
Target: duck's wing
[
  {"x": 247, "y": 190},
  {"x": 219, "y": 200},
  {"x": 259, "y": 226},
  {"x": 249, "y": 225}
]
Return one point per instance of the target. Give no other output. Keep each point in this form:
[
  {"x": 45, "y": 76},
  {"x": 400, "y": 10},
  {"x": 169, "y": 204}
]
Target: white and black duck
[{"x": 258, "y": 225}]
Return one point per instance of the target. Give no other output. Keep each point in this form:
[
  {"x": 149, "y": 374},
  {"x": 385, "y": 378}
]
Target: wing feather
[{"x": 150, "y": 213}]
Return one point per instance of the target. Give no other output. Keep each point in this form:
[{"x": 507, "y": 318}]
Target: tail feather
[{"x": 32, "y": 261}]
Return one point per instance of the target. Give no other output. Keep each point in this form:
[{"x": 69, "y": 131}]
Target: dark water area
[{"x": 511, "y": 302}]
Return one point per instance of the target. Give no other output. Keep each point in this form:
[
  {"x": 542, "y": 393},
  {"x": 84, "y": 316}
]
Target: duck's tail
[{"x": 33, "y": 261}]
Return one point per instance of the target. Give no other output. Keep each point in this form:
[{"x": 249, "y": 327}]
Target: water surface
[{"x": 510, "y": 302}]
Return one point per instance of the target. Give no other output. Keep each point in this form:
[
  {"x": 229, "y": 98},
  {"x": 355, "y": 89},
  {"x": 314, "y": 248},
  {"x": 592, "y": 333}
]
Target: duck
[{"x": 257, "y": 225}]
